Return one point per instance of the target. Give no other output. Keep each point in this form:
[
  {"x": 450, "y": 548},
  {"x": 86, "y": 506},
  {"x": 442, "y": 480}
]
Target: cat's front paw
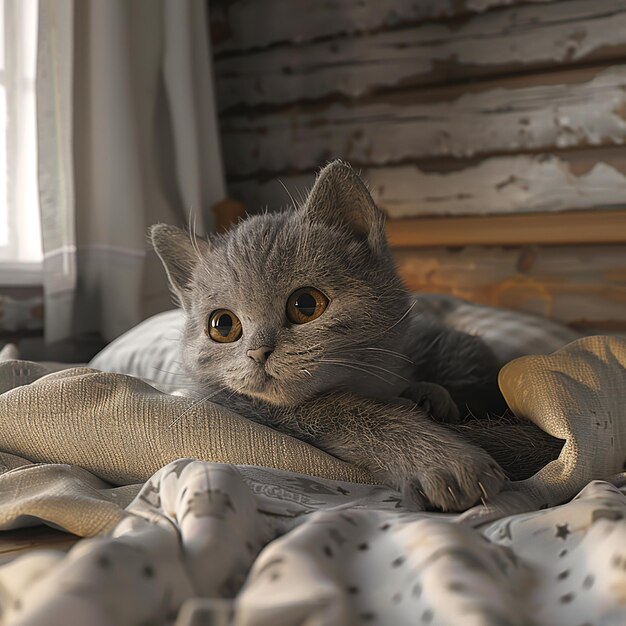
[
  {"x": 434, "y": 400},
  {"x": 454, "y": 484}
]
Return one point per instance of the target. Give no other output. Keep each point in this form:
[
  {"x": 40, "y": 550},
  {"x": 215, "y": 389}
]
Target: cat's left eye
[
  {"x": 224, "y": 326},
  {"x": 305, "y": 305}
]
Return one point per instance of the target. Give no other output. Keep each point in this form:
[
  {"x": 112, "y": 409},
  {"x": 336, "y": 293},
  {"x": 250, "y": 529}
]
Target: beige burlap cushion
[
  {"x": 578, "y": 394},
  {"x": 123, "y": 430}
]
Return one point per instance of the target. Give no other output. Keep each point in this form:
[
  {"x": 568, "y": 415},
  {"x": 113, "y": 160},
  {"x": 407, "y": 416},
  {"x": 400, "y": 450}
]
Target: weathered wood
[
  {"x": 499, "y": 185},
  {"x": 226, "y": 213},
  {"x": 584, "y": 286},
  {"x": 574, "y": 227},
  {"x": 247, "y": 24},
  {"x": 14, "y": 543},
  {"x": 509, "y": 40},
  {"x": 586, "y": 108}
]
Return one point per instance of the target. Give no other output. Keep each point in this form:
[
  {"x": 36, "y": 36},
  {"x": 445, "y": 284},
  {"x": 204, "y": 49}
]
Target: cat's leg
[
  {"x": 433, "y": 400},
  {"x": 432, "y": 466},
  {"x": 461, "y": 363}
]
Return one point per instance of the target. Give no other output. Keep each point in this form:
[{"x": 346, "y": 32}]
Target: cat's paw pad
[
  {"x": 435, "y": 401},
  {"x": 457, "y": 486}
]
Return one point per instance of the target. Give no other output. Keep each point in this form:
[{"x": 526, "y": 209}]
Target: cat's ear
[
  {"x": 179, "y": 257},
  {"x": 339, "y": 196}
]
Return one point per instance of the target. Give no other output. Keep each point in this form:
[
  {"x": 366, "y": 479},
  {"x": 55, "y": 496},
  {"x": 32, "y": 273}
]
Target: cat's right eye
[
  {"x": 224, "y": 326},
  {"x": 305, "y": 305}
]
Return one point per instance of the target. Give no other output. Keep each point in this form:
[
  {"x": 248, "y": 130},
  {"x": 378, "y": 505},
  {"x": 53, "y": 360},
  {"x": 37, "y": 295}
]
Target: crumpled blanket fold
[{"x": 259, "y": 547}]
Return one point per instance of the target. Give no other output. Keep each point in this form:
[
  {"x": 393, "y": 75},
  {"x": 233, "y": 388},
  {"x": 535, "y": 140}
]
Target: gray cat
[{"x": 298, "y": 319}]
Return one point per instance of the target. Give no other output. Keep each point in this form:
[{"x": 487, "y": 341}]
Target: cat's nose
[{"x": 260, "y": 355}]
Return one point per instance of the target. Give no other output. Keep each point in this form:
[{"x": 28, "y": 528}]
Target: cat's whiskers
[
  {"x": 384, "y": 369},
  {"x": 192, "y": 233},
  {"x": 194, "y": 404},
  {"x": 193, "y": 237},
  {"x": 301, "y": 196},
  {"x": 160, "y": 369},
  {"x": 355, "y": 367},
  {"x": 381, "y": 369},
  {"x": 305, "y": 352},
  {"x": 234, "y": 390},
  {"x": 295, "y": 204},
  {"x": 390, "y": 353},
  {"x": 431, "y": 344},
  {"x": 400, "y": 319}
]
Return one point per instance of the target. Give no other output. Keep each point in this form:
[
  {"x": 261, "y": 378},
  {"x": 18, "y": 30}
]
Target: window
[{"x": 20, "y": 234}]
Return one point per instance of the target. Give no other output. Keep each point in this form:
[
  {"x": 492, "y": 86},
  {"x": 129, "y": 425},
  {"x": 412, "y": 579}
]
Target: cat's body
[{"x": 299, "y": 320}]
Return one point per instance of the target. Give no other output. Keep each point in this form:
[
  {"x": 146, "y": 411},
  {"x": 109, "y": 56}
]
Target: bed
[{"x": 211, "y": 519}]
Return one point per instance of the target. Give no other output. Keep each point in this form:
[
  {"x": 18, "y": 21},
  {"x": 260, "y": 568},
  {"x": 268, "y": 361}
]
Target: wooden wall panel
[
  {"x": 247, "y": 24},
  {"x": 503, "y": 108},
  {"x": 498, "y": 185},
  {"x": 510, "y": 40},
  {"x": 572, "y": 227},
  {"x": 575, "y": 109},
  {"x": 584, "y": 286}
]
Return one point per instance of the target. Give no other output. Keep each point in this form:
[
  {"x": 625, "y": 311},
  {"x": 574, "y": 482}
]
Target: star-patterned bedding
[
  {"x": 202, "y": 542},
  {"x": 206, "y": 543}
]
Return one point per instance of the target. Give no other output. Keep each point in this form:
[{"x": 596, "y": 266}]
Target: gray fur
[{"x": 364, "y": 381}]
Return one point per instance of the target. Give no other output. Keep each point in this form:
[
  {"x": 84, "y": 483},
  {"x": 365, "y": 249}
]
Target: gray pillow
[
  {"x": 150, "y": 350},
  {"x": 509, "y": 334}
]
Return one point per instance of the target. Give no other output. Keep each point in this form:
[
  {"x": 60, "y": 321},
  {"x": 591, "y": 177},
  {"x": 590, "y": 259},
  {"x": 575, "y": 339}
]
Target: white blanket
[{"x": 252, "y": 546}]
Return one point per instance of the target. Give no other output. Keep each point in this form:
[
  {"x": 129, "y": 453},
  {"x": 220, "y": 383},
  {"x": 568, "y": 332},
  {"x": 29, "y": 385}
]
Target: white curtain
[
  {"x": 128, "y": 137},
  {"x": 20, "y": 242}
]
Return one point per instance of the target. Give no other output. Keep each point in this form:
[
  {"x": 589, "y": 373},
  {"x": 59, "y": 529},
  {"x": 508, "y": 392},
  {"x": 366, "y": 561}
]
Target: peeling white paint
[
  {"x": 497, "y": 185},
  {"x": 485, "y": 5},
  {"x": 495, "y": 121},
  {"x": 255, "y": 24},
  {"x": 560, "y": 32}
]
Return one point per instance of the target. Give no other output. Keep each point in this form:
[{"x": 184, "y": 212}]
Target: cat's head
[{"x": 290, "y": 305}]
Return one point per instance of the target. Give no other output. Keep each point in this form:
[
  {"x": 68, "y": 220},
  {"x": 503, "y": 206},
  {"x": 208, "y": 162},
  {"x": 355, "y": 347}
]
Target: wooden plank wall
[{"x": 449, "y": 108}]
